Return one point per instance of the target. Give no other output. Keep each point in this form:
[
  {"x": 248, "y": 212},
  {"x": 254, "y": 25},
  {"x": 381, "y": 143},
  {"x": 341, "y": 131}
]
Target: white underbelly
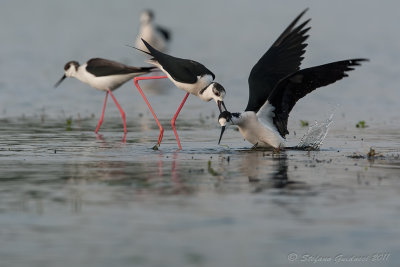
[
  {"x": 105, "y": 83},
  {"x": 262, "y": 136}
]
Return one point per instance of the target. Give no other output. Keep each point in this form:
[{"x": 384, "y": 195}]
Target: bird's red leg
[
  {"x": 174, "y": 119},
  {"x": 102, "y": 114},
  {"x": 136, "y": 81},
  {"x": 120, "y": 110}
]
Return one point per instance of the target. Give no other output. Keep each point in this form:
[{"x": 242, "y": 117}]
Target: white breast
[
  {"x": 257, "y": 132},
  {"x": 152, "y": 36}
]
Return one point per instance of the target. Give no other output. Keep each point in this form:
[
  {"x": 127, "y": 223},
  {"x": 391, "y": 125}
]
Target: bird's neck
[
  {"x": 146, "y": 23},
  {"x": 78, "y": 74},
  {"x": 206, "y": 93},
  {"x": 239, "y": 119}
]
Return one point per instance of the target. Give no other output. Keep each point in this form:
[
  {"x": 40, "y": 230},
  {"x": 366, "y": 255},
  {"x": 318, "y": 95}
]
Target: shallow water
[{"x": 73, "y": 198}]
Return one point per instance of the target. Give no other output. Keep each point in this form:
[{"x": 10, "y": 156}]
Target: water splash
[{"x": 315, "y": 135}]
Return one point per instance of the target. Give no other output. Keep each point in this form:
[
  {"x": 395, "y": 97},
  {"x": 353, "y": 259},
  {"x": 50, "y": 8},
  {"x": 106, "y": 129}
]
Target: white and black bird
[
  {"x": 156, "y": 35},
  {"x": 104, "y": 75},
  {"x": 188, "y": 75},
  {"x": 276, "y": 84}
]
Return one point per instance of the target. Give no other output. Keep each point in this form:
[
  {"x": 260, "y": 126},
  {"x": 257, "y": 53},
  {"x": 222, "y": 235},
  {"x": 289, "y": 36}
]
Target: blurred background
[{"x": 39, "y": 37}]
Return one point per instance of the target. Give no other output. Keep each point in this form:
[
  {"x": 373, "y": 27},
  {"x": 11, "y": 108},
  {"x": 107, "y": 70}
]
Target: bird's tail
[
  {"x": 139, "y": 50},
  {"x": 148, "y": 53},
  {"x": 152, "y": 51}
]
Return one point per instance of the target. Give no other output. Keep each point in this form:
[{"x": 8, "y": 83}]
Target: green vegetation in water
[
  {"x": 372, "y": 154},
  {"x": 211, "y": 170},
  {"x": 226, "y": 146},
  {"x": 304, "y": 123},
  {"x": 69, "y": 124},
  {"x": 361, "y": 124}
]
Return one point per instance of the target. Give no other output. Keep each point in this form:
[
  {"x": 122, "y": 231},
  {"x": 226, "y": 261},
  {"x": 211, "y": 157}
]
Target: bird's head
[
  {"x": 147, "y": 16},
  {"x": 227, "y": 118},
  {"x": 70, "y": 70},
  {"x": 224, "y": 119},
  {"x": 214, "y": 91}
]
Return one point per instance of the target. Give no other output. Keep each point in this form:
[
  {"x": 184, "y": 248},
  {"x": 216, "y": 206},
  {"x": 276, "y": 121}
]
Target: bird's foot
[
  {"x": 155, "y": 147},
  {"x": 254, "y": 147},
  {"x": 99, "y": 137},
  {"x": 277, "y": 150}
]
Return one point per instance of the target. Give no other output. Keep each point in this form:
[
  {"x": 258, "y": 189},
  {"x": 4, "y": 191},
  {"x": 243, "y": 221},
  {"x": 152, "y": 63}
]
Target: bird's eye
[{"x": 217, "y": 93}]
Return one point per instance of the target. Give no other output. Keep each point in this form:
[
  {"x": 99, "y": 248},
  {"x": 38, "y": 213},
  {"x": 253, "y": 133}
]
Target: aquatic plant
[
  {"x": 361, "y": 124},
  {"x": 69, "y": 124},
  {"x": 304, "y": 123},
  {"x": 211, "y": 169}
]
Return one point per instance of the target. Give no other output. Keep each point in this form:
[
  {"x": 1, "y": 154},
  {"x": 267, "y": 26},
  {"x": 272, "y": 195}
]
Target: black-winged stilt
[
  {"x": 188, "y": 75},
  {"x": 156, "y": 35},
  {"x": 104, "y": 75},
  {"x": 276, "y": 84}
]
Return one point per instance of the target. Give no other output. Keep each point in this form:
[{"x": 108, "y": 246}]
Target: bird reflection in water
[
  {"x": 101, "y": 138},
  {"x": 256, "y": 165}
]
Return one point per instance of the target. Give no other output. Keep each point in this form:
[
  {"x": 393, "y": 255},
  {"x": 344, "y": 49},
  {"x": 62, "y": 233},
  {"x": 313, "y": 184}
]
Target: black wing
[
  {"x": 164, "y": 32},
  {"x": 297, "y": 85},
  {"x": 284, "y": 57},
  {"x": 181, "y": 70},
  {"x": 104, "y": 67}
]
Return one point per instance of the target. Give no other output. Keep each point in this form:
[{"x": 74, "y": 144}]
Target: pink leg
[
  {"x": 120, "y": 110},
  {"x": 136, "y": 81},
  {"x": 174, "y": 119},
  {"x": 102, "y": 114}
]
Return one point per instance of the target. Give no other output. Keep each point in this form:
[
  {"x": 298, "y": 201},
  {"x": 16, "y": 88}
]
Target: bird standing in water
[
  {"x": 276, "y": 84},
  {"x": 156, "y": 35},
  {"x": 104, "y": 75},
  {"x": 188, "y": 75}
]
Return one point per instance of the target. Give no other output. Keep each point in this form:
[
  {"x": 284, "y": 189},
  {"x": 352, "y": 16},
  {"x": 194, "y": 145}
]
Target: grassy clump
[
  {"x": 361, "y": 124},
  {"x": 304, "y": 123},
  {"x": 371, "y": 153},
  {"x": 69, "y": 124},
  {"x": 211, "y": 169}
]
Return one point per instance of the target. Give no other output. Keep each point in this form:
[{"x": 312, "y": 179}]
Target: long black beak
[
  {"x": 222, "y": 132},
  {"x": 60, "y": 81},
  {"x": 221, "y": 103}
]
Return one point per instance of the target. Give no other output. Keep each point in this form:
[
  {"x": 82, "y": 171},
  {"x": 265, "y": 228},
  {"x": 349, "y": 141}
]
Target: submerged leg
[
  {"x": 136, "y": 81},
  {"x": 120, "y": 110},
  {"x": 102, "y": 114},
  {"x": 255, "y": 146},
  {"x": 174, "y": 119}
]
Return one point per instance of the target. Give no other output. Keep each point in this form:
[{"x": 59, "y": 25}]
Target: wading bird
[
  {"x": 156, "y": 36},
  {"x": 104, "y": 75},
  {"x": 276, "y": 84},
  {"x": 186, "y": 74}
]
